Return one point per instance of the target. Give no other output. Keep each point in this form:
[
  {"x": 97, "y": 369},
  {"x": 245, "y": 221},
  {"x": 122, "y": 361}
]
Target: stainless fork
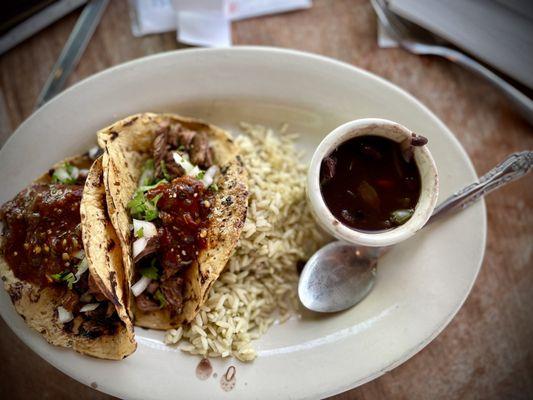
[{"x": 418, "y": 41}]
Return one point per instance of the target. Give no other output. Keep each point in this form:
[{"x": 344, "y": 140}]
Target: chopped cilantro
[
  {"x": 150, "y": 187},
  {"x": 213, "y": 187},
  {"x": 164, "y": 170},
  {"x": 160, "y": 297},
  {"x": 144, "y": 208},
  {"x": 200, "y": 175},
  {"x": 150, "y": 271},
  {"x": 139, "y": 233},
  {"x": 181, "y": 147},
  {"x": 65, "y": 276}
]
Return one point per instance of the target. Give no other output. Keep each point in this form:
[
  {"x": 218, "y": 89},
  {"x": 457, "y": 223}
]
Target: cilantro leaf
[
  {"x": 139, "y": 233},
  {"x": 150, "y": 271},
  {"x": 65, "y": 276},
  {"x": 143, "y": 208},
  {"x": 160, "y": 297},
  {"x": 64, "y": 174}
]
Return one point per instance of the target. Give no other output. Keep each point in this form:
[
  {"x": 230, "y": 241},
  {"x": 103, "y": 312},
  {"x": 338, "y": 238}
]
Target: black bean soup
[{"x": 371, "y": 183}]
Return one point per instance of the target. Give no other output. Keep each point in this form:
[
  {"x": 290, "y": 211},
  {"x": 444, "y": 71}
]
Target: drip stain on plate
[
  {"x": 94, "y": 385},
  {"x": 215, "y": 375},
  {"x": 228, "y": 380},
  {"x": 204, "y": 369}
]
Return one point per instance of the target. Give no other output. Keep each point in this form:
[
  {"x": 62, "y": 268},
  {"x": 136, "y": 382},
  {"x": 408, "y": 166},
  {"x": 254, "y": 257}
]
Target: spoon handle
[{"x": 513, "y": 167}]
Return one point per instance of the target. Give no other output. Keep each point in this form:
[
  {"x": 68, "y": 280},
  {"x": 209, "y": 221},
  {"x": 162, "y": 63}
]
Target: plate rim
[{"x": 298, "y": 53}]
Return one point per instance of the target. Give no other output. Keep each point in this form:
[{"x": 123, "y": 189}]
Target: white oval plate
[{"x": 421, "y": 284}]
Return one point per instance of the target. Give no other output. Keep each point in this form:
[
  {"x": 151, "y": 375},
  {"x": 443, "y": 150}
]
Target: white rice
[{"x": 259, "y": 284}]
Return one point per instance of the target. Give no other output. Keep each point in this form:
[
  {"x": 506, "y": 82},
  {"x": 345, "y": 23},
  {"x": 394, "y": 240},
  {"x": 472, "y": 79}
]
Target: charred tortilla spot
[
  {"x": 15, "y": 292},
  {"x": 4, "y": 278},
  {"x": 110, "y": 244},
  {"x": 228, "y": 201},
  {"x": 131, "y": 121},
  {"x": 113, "y": 135}
]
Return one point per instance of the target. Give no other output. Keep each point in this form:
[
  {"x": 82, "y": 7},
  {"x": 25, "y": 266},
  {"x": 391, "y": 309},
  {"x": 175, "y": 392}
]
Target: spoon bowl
[{"x": 338, "y": 276}]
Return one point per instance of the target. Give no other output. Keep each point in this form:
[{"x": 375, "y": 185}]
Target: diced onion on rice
[{"x": 140, "y": 286}]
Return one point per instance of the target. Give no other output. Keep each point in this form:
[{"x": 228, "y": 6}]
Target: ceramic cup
[{"x": 428, "y": 176}]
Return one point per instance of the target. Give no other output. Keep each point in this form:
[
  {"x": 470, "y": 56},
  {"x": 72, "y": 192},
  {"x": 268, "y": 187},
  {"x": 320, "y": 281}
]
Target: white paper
[
  {"x": 241, "y": 9},
  {"x": 152, "y": 16},
  {"x": 204, "y": 29},
  {"x": 202, "y": 22}
]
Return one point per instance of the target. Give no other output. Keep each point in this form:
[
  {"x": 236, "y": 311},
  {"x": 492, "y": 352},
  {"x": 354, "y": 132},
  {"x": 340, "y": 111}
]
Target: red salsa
[
  {"x": 182, "y": 227},
  {"x": 42, "y": 231},
  {"x": 371, "y": 183}
]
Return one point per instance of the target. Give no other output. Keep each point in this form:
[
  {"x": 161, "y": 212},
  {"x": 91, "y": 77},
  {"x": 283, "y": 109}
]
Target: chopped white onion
[
  {"x": 194, "y": 172},
  {"x": 140, "y": 286},
  {"x": 62, "y": 174},
  {"x": 93, "y": 152},
  {"x": 84, "y": 172},
  {"x": 186, "y": 165},
  {"x": 64, "y": 315},
  {"x": 139, "y": 245},
  {"x": 74, "y": 173},
  {"x": 149, "y": 229},
  {"x": 210, "y": 175},
  {"x": 89, "y": 307},
  {"x": 82, "y": 267}
]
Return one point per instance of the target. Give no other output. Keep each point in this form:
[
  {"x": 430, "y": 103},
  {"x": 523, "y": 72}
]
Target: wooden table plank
[{"x": 486, "y": 352}]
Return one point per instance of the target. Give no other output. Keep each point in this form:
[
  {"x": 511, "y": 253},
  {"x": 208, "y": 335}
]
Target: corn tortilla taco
[
  {"x": 60, "y": 292},
  {"x": 177, "y": 197}
]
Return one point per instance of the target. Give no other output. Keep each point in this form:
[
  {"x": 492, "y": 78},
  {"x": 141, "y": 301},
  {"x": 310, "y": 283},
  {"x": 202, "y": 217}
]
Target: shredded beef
[
  {"x": 152, "y": 287},
  {"x": 160, "y": 149},
  {"x": 200, "y": 152},
  {"x": 145, "y": 303},
  {"x": 172, "y": 289},
  {"x": 180, "y": 136},
  {"x": 70, "y": 300}
]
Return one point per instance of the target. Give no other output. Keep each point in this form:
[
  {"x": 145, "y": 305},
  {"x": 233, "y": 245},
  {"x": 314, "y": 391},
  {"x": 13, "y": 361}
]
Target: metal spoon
[{"x": 340, "y": 275}]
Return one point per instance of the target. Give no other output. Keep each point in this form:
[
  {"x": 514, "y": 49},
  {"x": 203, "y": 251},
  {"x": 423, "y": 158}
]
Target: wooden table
[{"x": 487, "y": 350}]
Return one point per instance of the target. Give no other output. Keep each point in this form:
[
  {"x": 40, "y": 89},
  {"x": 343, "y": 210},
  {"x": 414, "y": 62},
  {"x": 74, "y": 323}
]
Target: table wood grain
[{"x": 487, "y": 350}]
